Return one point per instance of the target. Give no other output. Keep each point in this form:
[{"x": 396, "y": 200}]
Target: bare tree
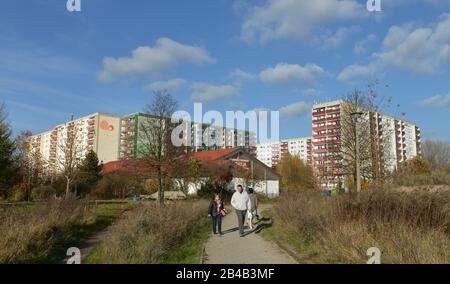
[
  {"x": 437, "y": 154},
  {"x": 155, "y": 132},
  {"x": 70, "y": 154},
  {"x": 30, "y": 161},
  {"x": 373, "y": 136}
]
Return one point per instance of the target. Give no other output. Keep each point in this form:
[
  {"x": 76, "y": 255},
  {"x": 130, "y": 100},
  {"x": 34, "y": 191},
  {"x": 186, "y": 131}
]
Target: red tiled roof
[
  {"x": 125, "y": 166},
  {"x": 214, "y": 154},
  {"x": 141, "y": 167}
]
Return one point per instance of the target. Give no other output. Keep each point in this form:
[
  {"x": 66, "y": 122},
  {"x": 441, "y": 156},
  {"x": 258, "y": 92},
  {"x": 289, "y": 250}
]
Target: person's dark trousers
[
  {"x": 217, "y": 224},
  {"x": 241, "y": 219}
]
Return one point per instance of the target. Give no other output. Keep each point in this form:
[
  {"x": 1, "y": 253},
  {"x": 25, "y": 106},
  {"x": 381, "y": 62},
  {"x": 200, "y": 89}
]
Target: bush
[
  {"x": 29, "y": 234},
  {"x": 43, "y": 193},
  {"x": 409, "y": 227},
  {"x": 296, "y": 174},
  {"x": 116, "y": 186},
  {"x": 209, "y": 188},
  {"x": 16, "y": 193},
  {"x": 150, "y": 233},
  {"x": 435, "y": 178},
  {"x": 416, "y": 166}
]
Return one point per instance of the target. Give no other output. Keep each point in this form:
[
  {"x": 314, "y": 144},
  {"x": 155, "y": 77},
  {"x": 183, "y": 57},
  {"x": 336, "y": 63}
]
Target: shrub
[
  {"x": 209, "y": 188},
  {"x": 409, "y": 227},
  {"x": 296, "y": 174},
  {"x": 150, "y": 233},
  {"x": 416, "y": 166},
  {"x": 435, "y": 178},
  {"x": 29, "y": 234},
  {"x": 17, "y": 193},
  {"x": 117, "y": 186}
]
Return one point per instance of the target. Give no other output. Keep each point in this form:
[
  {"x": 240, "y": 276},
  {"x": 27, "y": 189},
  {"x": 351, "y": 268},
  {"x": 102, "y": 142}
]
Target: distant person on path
[
  {"x": 253, "y": 209},
  {"x": 241, "y": 203},
  {"x": 216, "y": 211}
]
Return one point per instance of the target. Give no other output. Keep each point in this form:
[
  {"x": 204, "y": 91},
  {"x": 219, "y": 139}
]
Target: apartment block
[
  {"x": 196, "y": 136},
  {"x": 272, "y": 153},
  {"x": 97, "y": 132},
  {"x": 401, "y": 141},
  {"x": 115, "y": 138}
]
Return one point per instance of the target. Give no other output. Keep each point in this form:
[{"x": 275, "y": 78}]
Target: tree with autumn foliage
[{"x": 295, "y": 174}]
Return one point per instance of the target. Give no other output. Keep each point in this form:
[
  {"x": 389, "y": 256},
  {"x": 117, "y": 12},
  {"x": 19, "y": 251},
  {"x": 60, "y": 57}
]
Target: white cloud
[
  {"x": 409, "y": 2},
  {"x": 261, "y": 109},
  {"x": 361, "y": 46},
  {"x": 356, "y": 70},
  {"x": 336, "y": 39},
  {"x": 311, "y": 92},
  {"x": 242, "y": 75},
  {"x": 165, "y": 55},
  {"x": 290, "y": 74},
  {"x": 294, "y": 19},
  {"x": 438, "y": 101},
  {"x": 169, "y": 85},
  {"x": 204, "y": 92},
  {"x": 295, "y": 110},
  {"x": 423, "y": 50}
]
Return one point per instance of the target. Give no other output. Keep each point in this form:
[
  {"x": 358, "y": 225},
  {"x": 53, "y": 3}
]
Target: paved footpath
[{"x": 251, "y": 249}]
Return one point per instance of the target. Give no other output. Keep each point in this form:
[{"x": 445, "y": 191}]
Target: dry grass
[
  {"x": 408, "y": 227},
  {"x": 149, "y": 234},
  {"x": 30, "y": 234}
]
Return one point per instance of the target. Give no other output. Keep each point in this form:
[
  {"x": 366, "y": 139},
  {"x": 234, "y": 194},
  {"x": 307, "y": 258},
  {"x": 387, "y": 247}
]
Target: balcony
[
  {"x": 334, "y": 110},
  {"x": 318, "y": 128},
  {"x": 317, "y": 113},
  {"x": 337, "y": 118},
  {"x": 319, "y": 120}
]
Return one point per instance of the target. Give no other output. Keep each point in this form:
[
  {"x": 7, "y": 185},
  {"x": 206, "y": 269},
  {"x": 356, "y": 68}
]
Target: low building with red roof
[{"x": 243, "y": 165}]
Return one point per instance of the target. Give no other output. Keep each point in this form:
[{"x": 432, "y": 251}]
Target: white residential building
[
  {"x": 98, "y": 132},
  {"x": 401, "y": 141},
  {"x": 272, "y": 153}
]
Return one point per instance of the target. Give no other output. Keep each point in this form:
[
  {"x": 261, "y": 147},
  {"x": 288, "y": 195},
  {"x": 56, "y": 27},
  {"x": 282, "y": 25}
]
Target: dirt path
[
  {"x": 89, "y": 244},
  {"x": 251, "y": 249}
]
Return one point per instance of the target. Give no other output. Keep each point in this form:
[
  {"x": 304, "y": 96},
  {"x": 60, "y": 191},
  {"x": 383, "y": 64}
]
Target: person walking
[
  {"x": 241, "y": 203},
  {"x": 253, "y": 209},
  {"x": 216, "y": 211}
]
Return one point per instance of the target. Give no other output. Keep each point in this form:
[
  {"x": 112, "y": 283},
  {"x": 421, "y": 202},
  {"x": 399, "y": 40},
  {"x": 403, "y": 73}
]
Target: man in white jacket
[{"x": 241, "y": 203}]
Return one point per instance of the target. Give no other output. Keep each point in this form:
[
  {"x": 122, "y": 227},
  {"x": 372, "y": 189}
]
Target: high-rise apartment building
[
  {"x": 401, "y": 141},
  {"x": 97, "y": 132},
  {"x": 272, "y": 153},
  {"x": 196, "y": 136}
]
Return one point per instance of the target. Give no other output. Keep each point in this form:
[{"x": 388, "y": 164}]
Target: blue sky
[{"x": 231, "y": 55}]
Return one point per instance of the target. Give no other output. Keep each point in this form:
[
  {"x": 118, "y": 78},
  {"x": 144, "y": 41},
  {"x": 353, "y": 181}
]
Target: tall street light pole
[{"x": 356, "y": 117}]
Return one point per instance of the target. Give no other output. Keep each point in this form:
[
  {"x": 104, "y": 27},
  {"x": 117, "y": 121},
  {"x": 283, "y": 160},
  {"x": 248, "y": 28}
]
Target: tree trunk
[
  {"x": 67, "y": 186},
  {"x": 161, "y": 189}
]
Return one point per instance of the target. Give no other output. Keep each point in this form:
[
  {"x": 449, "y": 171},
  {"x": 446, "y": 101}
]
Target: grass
[
  {"x": 409, "y": 227},
  {"x": 435, "y": 178},
  {"x": 301, "y": 250},
  {"x": 191, "y": 250},
  {"x": 172, "y": 234},
  {"x": 42, "y": 232}
]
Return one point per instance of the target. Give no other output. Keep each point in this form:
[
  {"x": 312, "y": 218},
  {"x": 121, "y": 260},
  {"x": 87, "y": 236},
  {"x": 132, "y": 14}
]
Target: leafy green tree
[{"x": 7, "y": 165}]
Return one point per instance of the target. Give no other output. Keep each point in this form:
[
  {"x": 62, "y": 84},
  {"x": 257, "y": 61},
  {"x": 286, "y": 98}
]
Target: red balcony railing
[
  {"x": 318, "y": 113},
  {"x": 333, "y": 110}
]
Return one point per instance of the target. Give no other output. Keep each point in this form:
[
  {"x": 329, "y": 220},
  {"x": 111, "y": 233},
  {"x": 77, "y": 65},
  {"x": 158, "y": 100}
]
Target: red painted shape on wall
[{"x": 106, "y": 126}]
